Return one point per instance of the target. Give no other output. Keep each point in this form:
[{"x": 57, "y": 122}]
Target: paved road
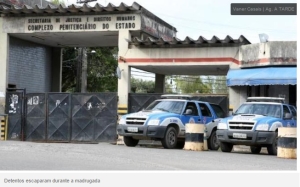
[{"x": 17, "y": 155}]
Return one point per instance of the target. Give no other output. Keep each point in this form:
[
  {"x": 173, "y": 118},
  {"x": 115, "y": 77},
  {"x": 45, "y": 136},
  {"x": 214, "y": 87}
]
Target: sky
[{"x": 196, "y": 18}]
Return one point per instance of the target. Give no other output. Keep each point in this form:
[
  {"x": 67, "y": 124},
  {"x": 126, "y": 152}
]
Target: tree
[
  {"x": 69, "y": 69},
  {"x": 192, "y": 84},
  {"x": 102, "y": 70},
  {"x": 142, "y": 86},
  {"x": 58, "y": 2},
  {"x": 170, "y": 85},
  {"x": 220, "y": 86}
]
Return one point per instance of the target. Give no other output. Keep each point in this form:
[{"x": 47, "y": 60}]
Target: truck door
[
  {"x": 294, "y": 112},
  {"x": 192, "y": 117},
  {"x": 288, "y": 122},
  {"x": 206, "y": 113}
]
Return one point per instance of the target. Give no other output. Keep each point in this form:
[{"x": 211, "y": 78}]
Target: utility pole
[
  {"x": 79, "y": 70},
  {"x": 84, "y": 70},
  {"x": 82, "y": 65}
]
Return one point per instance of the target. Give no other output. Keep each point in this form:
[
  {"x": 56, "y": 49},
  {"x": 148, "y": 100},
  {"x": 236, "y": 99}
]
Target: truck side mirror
[
  {"x": 188, "y": 112},
  {"x": 288, "y": 116}
]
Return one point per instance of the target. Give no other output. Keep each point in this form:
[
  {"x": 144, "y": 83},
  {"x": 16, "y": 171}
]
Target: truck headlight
[
  {"x": 153, "y": 122},
  {"x": 262, "y": 127},
  {"x": 122, "y": 121},
  {"x": 222, "y": 126}
]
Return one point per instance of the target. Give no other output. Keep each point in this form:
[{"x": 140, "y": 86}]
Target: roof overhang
[
  {"x": 228, "y": 41},
  {"x": 262, "y": 76}
]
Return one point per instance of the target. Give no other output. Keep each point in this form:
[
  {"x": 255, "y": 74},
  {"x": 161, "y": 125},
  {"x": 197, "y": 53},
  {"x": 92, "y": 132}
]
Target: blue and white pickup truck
[
  {"x": 164, "y": 120},
  {"x": 255, "y": 123}
]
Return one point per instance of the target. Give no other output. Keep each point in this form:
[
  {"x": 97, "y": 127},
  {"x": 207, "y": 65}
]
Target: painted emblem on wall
[{"x": 13, "y": 103}]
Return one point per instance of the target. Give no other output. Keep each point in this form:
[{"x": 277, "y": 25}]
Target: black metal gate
[
  {"x": 62, "y": 117},
  {"x": 137, "y": 102},
  {"x": 59, "y": 117},
  {"x": 221, "y": 100},
  {"x": 35, "y": 128},
  {"x": 94, "y": 117}
]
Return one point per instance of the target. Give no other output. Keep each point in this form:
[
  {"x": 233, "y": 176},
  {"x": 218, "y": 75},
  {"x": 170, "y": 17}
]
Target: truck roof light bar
[{"x": 266, "y": 99}]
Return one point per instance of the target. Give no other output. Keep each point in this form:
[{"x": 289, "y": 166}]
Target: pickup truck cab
[
  {"x": 164, "y": 120},
  {"x": 255, "y": 123}
]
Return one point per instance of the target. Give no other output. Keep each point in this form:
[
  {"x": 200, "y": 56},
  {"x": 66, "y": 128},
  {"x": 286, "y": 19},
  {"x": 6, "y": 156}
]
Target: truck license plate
[
  {"x": 239, "y": 135},
  {"x": 132, "y": 129}
]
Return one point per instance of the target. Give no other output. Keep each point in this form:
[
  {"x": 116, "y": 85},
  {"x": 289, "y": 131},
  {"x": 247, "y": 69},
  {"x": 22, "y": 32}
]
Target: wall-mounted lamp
[
  {"x": 118, "y": 72},
  {"x": 263, "y": 38}
]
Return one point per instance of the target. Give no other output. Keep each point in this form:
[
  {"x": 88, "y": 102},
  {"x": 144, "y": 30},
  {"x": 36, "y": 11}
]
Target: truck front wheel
[
  {"x": 255, "y": 149},
  {"x": 169, "y": 141},
  {"x": 130, "y": 142},
  {"x": 213, "y": 142},
  {"x": 272, "y": 149},
  {"x": 226, "y": 147}
]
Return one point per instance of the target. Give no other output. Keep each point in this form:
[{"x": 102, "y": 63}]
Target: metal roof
[
  {"x": 189, "y": 42},
  {"x": 52, "y": 9}
]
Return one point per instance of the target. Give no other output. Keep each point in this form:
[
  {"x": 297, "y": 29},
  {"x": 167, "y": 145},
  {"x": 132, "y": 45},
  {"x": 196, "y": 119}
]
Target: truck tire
[
  {"x": 255, "y": 149},
  {"x": 213, "y": 142},
  {"x": 129, "y": 141},
  {"x": 180, "y": 144},
  {"x": 169, "y": 141},
  {"x": 226, "y": 147},
  {"x": 272, "y": 149}
]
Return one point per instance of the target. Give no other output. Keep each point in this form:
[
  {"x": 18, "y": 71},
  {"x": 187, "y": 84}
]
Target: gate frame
[{"x": 23, "y": 100}]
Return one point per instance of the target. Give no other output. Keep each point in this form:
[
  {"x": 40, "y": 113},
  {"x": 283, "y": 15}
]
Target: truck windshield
[
  {"x": 167, "y": 106},
  {"x": 271, "y": 110}
]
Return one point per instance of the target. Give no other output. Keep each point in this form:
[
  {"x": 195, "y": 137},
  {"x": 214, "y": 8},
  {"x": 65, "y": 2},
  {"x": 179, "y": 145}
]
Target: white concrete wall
[
  {"x": 205, "y": 52},
  {"x": 4, "y": 46},
  {"x": 270, "y": 53},
  {"x": 26, "y": 24},
  {"x": 124, "y": 81}
]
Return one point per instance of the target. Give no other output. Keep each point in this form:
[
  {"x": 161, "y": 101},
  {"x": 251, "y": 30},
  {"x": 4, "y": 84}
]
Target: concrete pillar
[
  {"x": 124, "y": 80},
  {"x": 237, "y": 95},
  {"x": 56, "y": 70},
  {"x": 4, "y": 48},
  {"x": 159, "y": 83}
]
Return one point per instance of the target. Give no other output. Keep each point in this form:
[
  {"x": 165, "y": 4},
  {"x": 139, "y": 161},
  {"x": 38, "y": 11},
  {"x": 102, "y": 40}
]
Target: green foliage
[
  {"x": 220, "y": 86},
  {"x": 100, "y": 70},
  {"x": 170, "y": 86},
  {"x": 69, "y": 69},
  {"x": 192, "y": 84},
  {"x": 142, "y": 86},
  {"x": 57, "y": 2}
]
